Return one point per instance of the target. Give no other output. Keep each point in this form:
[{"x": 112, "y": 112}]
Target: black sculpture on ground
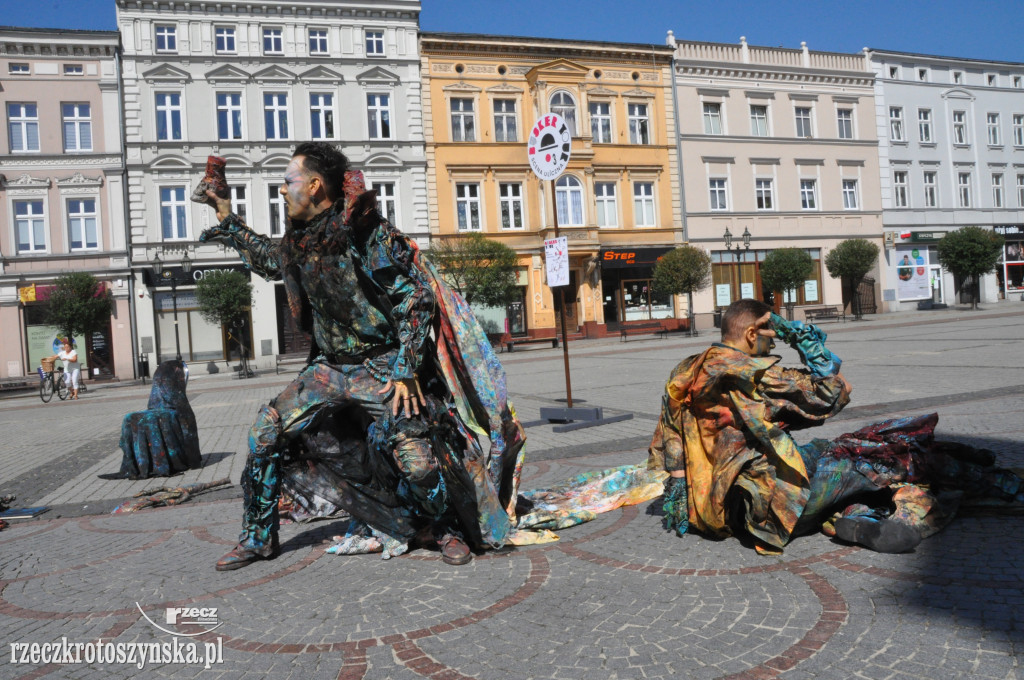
[{"x": 162, "y": 440}]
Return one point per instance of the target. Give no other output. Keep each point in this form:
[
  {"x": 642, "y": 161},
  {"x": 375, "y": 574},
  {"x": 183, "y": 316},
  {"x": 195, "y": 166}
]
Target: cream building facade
[
  {"x": 618, "y": 201},
  {"x": 779, "y": 149},
  {"x": 61, "y": 193},
  {"x": 249, "y": 82}
]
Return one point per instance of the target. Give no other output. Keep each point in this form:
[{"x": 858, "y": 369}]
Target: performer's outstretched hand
[
  {"x": 407, "y": 394},
  {"x": 221, "y": 205}
]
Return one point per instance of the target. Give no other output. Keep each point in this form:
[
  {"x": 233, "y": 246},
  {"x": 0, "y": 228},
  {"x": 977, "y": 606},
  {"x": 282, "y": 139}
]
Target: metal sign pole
[{"x": 561, "y": 310}]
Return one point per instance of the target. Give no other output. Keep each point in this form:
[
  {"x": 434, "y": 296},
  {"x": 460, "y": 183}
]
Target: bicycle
[{"x": 49, "y": 384}]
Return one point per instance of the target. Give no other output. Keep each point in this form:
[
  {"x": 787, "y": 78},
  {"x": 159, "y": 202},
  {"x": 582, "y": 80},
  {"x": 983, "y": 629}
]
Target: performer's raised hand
[
  {"x": 221, "y": 205},
  {"x": 407, "y": 394}
]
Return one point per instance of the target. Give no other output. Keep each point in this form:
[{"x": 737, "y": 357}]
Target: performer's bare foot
[{"x": 242, "y": 557}]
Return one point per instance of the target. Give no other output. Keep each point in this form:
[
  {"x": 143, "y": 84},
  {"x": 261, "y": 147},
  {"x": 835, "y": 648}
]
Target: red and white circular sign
[{"x": 550, "y": 146}]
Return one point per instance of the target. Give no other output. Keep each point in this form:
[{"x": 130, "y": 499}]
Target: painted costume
[
  {"x": 162, "y": 440},
  {"x": 726, "y": 421},
  {"x": 377, "y": 311}
]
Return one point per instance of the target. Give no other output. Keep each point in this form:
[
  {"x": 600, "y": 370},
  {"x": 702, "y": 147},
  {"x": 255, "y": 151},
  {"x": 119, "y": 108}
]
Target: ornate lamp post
[
  {"x": 728, "y": 244},
  {"x": 168, "y": 275}
]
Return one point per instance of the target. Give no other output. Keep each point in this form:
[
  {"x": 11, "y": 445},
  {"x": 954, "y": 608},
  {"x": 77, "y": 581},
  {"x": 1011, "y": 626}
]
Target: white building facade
[
  {"x": 951, "y": 152},
  {"x": 249, "y": 83}
]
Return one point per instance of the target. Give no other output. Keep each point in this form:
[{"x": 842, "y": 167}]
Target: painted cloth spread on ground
[{"x": 162, "y": 440}]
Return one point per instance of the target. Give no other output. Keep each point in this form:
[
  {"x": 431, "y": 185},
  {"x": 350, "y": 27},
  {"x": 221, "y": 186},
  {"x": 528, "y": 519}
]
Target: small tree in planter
[
  {"x": 684, "y": 270},
  {"x": 483, "y": 271},
  {"x": 969, "y": 253},
  {"x": 224, "y": 297},
  {"x": 786, "y": 269},
  {"x": 850, "y": 261},
  {"x": 78, "y": 305}
]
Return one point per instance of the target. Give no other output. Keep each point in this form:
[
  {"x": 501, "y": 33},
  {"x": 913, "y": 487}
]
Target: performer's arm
[
  {"x": 799, "y": 399},
  {"x": 257, "y": 251}
]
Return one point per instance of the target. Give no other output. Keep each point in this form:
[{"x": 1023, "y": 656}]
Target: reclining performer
[
  {"x": 399, "y": 410},
  {"x": 724, "y": 438}
]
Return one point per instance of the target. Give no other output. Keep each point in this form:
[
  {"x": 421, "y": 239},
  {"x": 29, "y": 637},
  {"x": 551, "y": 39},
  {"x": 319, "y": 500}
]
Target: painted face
[{"x": 297, "y": 192}]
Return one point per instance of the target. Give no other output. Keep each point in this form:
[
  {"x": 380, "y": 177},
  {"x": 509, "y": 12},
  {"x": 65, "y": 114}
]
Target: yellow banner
[{"x": 28, "y": 293}]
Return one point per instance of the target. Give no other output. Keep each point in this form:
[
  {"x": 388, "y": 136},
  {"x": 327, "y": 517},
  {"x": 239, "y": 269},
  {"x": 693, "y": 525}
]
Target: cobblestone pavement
[{"x": 616, "y": 598}]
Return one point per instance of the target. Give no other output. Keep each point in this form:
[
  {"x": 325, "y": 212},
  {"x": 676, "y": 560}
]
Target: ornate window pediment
[
  {"x": 274, "y": 74},
  {"x": 25, "y": 181},
  {"x": 385, "y": 160},
  {"x": 377, "y": 76},
  {"x": 321, "y": 74},
  {"x": 227, "y": 74},
  {"x": 637, "y": 93},
  {"x": 461, "y": 87},
  {"x": 80, "y": 180},
  {"x": 560, "y": 71},
  {"x": 505, "y": 88},
  {"x": 599, "y": 91},
  {"x": 165, "y": 73},
  {"x": 171, "y": 163}
]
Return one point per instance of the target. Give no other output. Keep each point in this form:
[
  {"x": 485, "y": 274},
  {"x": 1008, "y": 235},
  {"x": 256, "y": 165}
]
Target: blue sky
[{"x": 978, "y": 29}]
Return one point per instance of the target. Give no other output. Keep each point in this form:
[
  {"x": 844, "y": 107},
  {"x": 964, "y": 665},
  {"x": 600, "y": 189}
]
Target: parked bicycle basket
[{"x": 47, "y": 364}]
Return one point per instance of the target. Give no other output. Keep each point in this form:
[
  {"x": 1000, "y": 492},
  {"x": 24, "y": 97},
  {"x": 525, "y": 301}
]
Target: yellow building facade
[{"x": 618, "y": 201}]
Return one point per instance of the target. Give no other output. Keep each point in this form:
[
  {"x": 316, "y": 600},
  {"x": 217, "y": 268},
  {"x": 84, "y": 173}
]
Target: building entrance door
[{"x": 935, "y": 276}]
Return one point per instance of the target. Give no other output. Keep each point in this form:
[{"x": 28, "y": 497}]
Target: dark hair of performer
[{"x": 746, "y": 326}]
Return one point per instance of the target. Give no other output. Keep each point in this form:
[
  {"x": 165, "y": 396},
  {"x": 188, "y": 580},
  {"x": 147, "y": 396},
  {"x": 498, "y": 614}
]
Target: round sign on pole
[{"x": 550, "y": 146}]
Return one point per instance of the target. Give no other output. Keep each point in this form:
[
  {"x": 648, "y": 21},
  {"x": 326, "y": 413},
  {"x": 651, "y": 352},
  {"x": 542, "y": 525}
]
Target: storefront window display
[
  {"x": 200, "y": 340},
  {"x": 640, "y": 302},
  {"x": 737, "y": 274},
  {"x": 626, "y": 275},
  {"x": 1013, "y": 266},
  {"x": 45, "y": 341}
]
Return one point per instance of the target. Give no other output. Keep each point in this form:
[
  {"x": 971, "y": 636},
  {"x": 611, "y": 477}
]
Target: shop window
[
  {"x": 737, "y": 275},
  {"x": 640, "y": 302}
]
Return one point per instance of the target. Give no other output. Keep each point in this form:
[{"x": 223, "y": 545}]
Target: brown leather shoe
[
  {"x": 454, "y": 550},
  {"x": 242, "y": 557}
]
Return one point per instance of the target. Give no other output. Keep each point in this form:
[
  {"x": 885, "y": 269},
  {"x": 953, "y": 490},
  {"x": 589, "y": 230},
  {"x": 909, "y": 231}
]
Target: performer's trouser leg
[
  {"x": 415, "y": 459},
  {"x": 261, "y": 483}
]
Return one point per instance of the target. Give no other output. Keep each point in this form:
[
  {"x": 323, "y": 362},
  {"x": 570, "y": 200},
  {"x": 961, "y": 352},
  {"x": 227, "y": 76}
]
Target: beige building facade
[
  {"x": 61, "y": 193},
  {"x": 779, "y": 149},
  {"x": 618, "y": 201}
]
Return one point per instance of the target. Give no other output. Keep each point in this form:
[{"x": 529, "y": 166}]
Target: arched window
[
  {"x": 564, "y": 105},
  {"x": 569, "y": 199}
]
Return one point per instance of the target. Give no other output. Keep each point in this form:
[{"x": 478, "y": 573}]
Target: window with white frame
[
  {"x": 639, "y": 124},
  {"x": 899, "y": 188},
  {"x": 997, "y": 190},
  {"x": 463, "y": 121},
  {"x": 374, "y": 43},
  {"x": 960, "y": 127},
  {"x": 18, "y": 68},
  {"x": 802, "y": 116},
  {"x": 378, "y": 115},
  {"x": 239, "y": 201},
  {"x": 278, "y": 212},
  {"x": 844, "y": 123},
  {"x": 643, "y": 204},
  {"x": 273, "y": 41},
  {"x": 992, "y": 79},
  {"x": 23, "y": 126},
  {"x": 318, "y": 42},
  {"x": 82, "y": 232},
  {"x": 924, "y": 126},
  {"x": 1018, "y": 129},
  {"x": 229, "y": 115},
  {"x": 467, "y": 205},
  {"x": 74, "y": 70},
  {"x": 958, "y": 77},
  {"x": 29, "y": 226},
  {"x": 173, "y": 224},
  {"x": 758, "y": 120},
  {"x": 166, "y": 38},
  {"x": 930, "y": 182},
  {"x": 564, "y": 105},
  {"x": 569, "y": 200},
  {"x": 850, "y": 198},
  {"x": 275, "y": 114},
  {"x": 224, "y": 40},
  {"x": 922, "y": 75},
  {"x": 505, "y": 128},
  {"x": 896, "y": 123},
  {"x": 1020, "y": 190},
  {"x": 764, "y": 194},
  {"x": 321, "y": 115},
  {"x": 894, "y": 72},
  {"x": 601, "y": 122},
  {"x": 511, "y": 197},
  {"x": 607, "y": 204},
  {"x": 963, "y": 186},
  {"x": 712, "y": 118},
  {"x": 718, "y": 197},
  {"x": 168, "y": 116},
  {"x": 77, "y": 127},
  {"x": 387, "y": 200},
  {"x": 809, "y": 194},
  {"x": 992, "y": 124}
]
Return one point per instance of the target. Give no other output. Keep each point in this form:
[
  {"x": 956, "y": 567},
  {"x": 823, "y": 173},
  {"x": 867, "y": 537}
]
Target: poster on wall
[
  {"x": 43, "y": 341},
  {"x": 912, "y": 274},
  {"x": 747, "y": 290},
  {"x": 723, "y": 295},
  {"x": 810, "y": 290}
]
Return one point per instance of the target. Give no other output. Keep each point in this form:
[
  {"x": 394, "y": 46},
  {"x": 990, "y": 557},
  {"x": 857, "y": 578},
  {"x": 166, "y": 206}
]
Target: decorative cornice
[
  {"x": 505, "y": 88},
  {"x": 25, "y": 181},
  {"x": 636, "y": 93},
  {"x": 461, "y": 87},
  {"x": 704, "y": 70},
  {"x": 377, "y": 76},
  {"x": 718, "y": 159},
  {"x": 66, "y": 161},
  {"x": 80, "y": 180},
  {"x": 598, "y": 91},
  {"x": 754, "y": 160}
]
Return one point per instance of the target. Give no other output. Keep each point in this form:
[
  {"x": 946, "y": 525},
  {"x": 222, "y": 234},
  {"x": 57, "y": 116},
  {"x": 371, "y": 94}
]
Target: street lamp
[
  {"x": 168, "y": 275},
  {"x": 728, "y": 244}
]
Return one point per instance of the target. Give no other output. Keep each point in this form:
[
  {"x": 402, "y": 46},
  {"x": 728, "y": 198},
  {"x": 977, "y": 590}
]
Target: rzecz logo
[{"x": 205, "y": 617}]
